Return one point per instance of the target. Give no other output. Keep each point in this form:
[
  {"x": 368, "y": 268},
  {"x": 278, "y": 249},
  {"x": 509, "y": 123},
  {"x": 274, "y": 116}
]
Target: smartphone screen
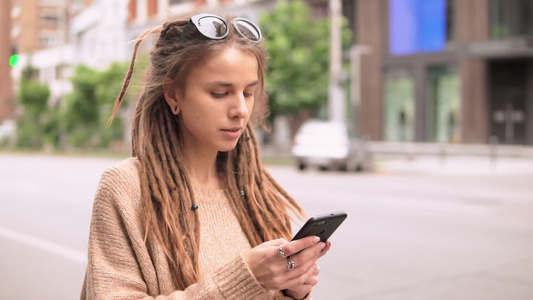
[{"x": 322, "y": 226}]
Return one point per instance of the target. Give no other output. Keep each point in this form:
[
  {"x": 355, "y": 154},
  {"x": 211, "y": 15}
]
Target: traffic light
[{"x": 14, "y": 59}]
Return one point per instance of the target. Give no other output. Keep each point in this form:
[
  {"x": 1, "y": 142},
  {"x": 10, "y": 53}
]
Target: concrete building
[
  {"x": 446, "y": 71},
  {"x": 98, "y": 33},
  {"x": 38, "y": 32},
  {"x": 6, "y": 86},
  {"x": 40, "y": 24}
]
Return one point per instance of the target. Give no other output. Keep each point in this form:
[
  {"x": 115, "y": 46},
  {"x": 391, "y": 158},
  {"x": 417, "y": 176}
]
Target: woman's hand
[
  {"x": 270, "y": 263},
  {"x": 300, "y": 290}
]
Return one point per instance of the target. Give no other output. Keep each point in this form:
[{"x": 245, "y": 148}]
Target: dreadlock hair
[{"x": 261, "y": 205}]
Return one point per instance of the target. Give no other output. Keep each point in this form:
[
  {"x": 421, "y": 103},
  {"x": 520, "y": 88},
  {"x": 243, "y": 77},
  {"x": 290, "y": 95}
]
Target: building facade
[
  {"x": 446, "y": 71},
  {"x": 37, "y": 31},
  {"x": 6, "y": 86},
  {"x": 98, "y": 33},
  {"x": 40, "y": 24}
]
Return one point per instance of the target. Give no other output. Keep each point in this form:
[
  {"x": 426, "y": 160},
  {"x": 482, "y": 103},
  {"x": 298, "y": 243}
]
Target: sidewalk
[
  {"x": 440, "y": 159},
  {"x": 456, "y": 165},
  {"x": 453, "y": 159},
  {"x": 436, "y": 149}
]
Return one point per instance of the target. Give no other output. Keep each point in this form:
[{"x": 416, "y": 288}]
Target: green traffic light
[{"x": 14, "y": 60}]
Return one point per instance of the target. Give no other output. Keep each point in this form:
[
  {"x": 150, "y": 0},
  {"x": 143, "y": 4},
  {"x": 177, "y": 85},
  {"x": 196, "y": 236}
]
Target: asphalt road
[{"x": 460, "y": 229}]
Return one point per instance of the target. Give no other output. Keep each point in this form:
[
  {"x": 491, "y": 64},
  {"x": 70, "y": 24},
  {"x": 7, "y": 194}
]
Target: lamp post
[
  {"x": 335, "y": 95},
  {"x": 356, "y": 51}
]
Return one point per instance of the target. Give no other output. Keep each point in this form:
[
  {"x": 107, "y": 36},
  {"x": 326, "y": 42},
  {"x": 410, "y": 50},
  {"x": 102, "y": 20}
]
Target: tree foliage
[
  {"x": 33, "y": 97},
  {"x": 78, "y": 119},
  {"x": 298, "y": 44},
  {"x": 90, "y": 104}
]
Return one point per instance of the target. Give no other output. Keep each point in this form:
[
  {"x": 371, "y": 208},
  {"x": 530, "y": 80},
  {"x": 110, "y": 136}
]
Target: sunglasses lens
[
  {"x": 247, "y": 30},
  {"x": 212, "y": 27}
]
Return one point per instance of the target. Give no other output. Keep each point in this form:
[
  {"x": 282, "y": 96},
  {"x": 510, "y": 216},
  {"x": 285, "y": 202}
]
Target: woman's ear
[{"x": 171, "y": 97}]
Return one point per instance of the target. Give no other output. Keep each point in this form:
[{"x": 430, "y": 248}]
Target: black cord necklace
[{"x": 194, "y": 207}]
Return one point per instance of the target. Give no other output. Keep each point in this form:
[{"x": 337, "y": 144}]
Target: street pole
[
  {"x": 336, "y": 98},
  {"x": 356, "y": 52},
  {"x": 63, "y": 19}
]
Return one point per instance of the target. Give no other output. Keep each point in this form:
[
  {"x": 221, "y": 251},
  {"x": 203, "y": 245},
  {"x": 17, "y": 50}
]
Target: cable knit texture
[{"x": 122, "y": 266}]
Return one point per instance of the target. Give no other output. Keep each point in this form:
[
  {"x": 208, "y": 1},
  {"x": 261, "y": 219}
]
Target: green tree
[
  {"x": 298, "y": 44},
  {"x": 109, "y": 85},
  {"x": 52, "y": 126},
  {"x": 90, "y": 104},
  {"x": 33, "y": 96},
  {"x": 81, "y": 115}
]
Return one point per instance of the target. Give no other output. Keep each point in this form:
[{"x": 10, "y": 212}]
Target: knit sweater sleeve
[{"x": 120, "y": 266}]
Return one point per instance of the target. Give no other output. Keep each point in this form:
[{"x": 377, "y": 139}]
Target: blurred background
[{"x": 436, "y": 101}]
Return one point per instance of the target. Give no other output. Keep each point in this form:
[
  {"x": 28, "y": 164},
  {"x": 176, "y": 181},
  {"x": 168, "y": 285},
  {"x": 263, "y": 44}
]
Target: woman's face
[{"x": 218, "y": 100}]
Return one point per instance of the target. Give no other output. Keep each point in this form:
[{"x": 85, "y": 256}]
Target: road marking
[{"x": 42, "y": 244}]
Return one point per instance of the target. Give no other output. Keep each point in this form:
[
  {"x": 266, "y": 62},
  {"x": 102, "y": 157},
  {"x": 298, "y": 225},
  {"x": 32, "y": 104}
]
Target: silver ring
[
  {"x": 280, "y": 251},
  {"x": 290, "y": 264}
]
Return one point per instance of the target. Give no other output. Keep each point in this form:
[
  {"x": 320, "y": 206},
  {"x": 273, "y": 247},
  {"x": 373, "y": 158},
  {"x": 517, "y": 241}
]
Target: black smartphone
[{"x": 322, "y": 226}]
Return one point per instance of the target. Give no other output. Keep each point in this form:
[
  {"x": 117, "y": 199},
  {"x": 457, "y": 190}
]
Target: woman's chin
[{"x": 227, "y": 147}]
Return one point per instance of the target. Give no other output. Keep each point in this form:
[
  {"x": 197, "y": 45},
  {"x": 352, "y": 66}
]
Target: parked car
[{"x": 330, "y": 145}]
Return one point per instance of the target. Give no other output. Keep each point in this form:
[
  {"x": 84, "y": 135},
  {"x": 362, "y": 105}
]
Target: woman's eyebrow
[{"x": 228, "y": 84}]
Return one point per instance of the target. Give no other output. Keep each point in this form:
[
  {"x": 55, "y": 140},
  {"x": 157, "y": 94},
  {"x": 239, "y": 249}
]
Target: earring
[{"x": 176, "y": 110}]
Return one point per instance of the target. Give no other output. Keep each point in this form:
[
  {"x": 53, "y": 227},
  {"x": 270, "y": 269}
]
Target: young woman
[{"x": 193, "y": 214}]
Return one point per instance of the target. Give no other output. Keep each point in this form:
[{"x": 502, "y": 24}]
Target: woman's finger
[
  {"x": 294, "y": 247},
  {"x": 326, "y": 249},
  {"x": 317, "y": 269},
  {"x": 307, "y": 257},
  {"x": 273, "y": 243},
  {"x": 309, "y": 277}
]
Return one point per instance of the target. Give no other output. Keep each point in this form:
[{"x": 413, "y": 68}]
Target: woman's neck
[{"x": 202, "y": 171}]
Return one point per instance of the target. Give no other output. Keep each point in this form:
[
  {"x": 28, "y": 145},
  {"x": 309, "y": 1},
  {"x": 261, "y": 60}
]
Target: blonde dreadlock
[{"x": 258, "y": 201}]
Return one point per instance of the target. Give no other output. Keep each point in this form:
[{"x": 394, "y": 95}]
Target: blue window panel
[
  {"x": 417, "y": 26},
  {"x": 432, "y": 32}
]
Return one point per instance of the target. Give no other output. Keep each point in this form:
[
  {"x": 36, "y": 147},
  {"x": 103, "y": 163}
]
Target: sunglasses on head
[{"x": 215, "y": 28}]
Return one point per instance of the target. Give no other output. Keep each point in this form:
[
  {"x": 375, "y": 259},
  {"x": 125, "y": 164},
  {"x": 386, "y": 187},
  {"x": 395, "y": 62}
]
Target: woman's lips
[{"x": 232, "y": 133}]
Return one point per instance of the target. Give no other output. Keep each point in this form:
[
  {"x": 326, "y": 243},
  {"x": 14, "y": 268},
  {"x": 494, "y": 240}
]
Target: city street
[{"x": 416, "y": 230}]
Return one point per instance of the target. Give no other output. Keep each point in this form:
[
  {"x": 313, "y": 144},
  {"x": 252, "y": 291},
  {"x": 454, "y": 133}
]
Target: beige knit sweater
[{"x": 122, "y": 266}]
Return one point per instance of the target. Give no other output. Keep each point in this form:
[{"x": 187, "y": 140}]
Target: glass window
[
  {"x": 399, "y": 110},
  {"x": 172, "y": 2},
  {"x": 417, "y": 26},
  {"x": 47, "y": 40},
  {"x": 49, "y": 20},
  {"x": 450, "y": 20},
  {"x": 511, "y": 18},
  {"x": 443, "y": 105},
  {"x": 52, "y": 2}
]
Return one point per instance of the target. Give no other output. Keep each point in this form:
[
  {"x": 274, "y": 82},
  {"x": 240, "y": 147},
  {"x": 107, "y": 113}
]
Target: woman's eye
[
  {"x": 218, "y": 95},
  {"x": 248, "y": 94}
]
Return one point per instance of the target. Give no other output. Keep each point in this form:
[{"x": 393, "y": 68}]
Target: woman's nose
[{"x": 239, "y": 107}]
